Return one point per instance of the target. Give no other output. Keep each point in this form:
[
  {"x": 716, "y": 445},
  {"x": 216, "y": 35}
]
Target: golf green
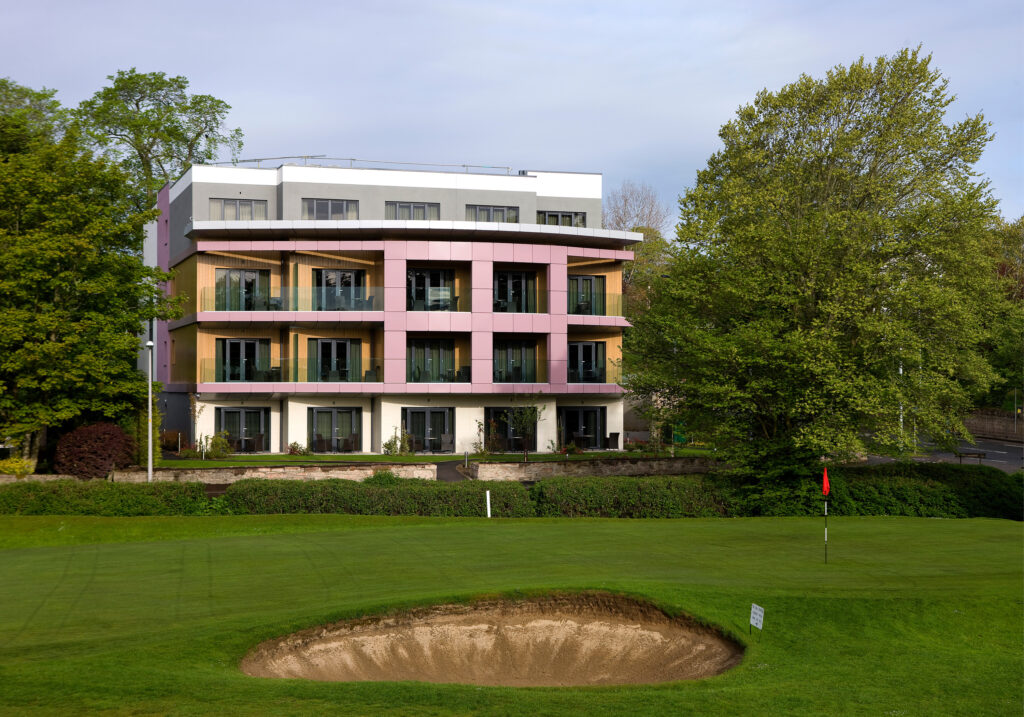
[{"x": 153, "y": 615}]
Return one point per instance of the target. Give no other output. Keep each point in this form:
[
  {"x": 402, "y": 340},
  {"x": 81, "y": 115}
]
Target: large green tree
[
  {"x": 74, "y": 292},
  {"x": 834, "y": 274},
  {"x": 155, "y": 128}
]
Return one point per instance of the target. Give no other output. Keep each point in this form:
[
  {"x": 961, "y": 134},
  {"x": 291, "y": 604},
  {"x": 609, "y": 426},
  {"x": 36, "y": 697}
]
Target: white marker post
[
  {"x": 488, "y": 504},
  {"x": 756, "y": 617}
]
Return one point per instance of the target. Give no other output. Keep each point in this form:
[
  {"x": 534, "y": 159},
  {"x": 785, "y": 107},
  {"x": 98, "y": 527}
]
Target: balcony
[
  {"x": 364, "y": 370},
  {"x": 594, "y": 374},
  {"x": 426, "y": 373},
  {"x": 595, "y": 305},
  {"x": 365, "y": 298},
  {"x": 536, "y": 373}
]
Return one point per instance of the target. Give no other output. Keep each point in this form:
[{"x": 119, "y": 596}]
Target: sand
[{"x": 562, "y": 640}]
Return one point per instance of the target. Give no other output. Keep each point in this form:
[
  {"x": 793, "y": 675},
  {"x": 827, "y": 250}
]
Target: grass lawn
[
  {"x": 262, "y": 459},
  {"x": 152, "y": 615}
]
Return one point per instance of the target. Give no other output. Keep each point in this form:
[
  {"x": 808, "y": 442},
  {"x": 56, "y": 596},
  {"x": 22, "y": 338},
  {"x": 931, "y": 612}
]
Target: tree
[
  {"x": 523, "y": 417},
  {"x": 636, "y": 207},
  {"x": 1007, "y": 343},
  {"x": 833, "y": 285},
  {"x": 155, "y": 129},
  {"x": 27, "y": 115},
  {"x": 73, "y": 289}
]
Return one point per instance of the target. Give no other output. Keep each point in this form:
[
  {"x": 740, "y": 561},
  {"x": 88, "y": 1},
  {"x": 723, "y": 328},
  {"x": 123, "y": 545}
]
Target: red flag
[{"x": 824, "y": 483}]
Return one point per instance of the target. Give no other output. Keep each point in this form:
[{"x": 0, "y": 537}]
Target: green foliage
[
  {"x": 833, "y": 284},
  {"x": 297, "y": 449},
  {"x": 17, "y": 467},
  {"x": 398, "y": 445},
  {"x": 383, "y": 476},
  {"x": 73, "y": 289},
  {"x": 27, "y": 117},
  {"x": 401, "y": 497},
  {"x": 217, "y": 446},
  {"x": 68, "y": 497},
  {"x": 155, "y": 129},
  {"x": 621, "y": 497}
]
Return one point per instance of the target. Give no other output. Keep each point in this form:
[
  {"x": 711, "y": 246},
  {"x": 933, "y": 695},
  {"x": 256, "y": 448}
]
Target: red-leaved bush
[{"x": 94, "y": 451}]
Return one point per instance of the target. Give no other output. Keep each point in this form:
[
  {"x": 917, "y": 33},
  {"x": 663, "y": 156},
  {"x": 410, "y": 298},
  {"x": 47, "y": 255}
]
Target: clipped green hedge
[
  {"x": 406, "y": 497},
  {"x": 917, "y": 489},
  {"x": 71, "y": 497},
  {"x": 629, "y": 497}
]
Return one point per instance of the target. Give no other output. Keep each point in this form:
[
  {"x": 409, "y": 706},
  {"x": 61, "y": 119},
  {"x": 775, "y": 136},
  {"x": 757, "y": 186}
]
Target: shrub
[
  {"x": 627, "y": 497},
  {"x": 383, "y": 476},
  {"x": 68, "y": 497},
  {"x": 398, "y": 445},
  {"x": 407, "y": 496},
  {"x": 17, "y": 467},
  {"x": 297, "y": 449},
  {"x": 94, "y": 451}
]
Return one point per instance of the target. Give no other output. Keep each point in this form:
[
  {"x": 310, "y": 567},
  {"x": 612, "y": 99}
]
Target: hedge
[
  {"x": 407, "y": 497},
  {"x": 71, "y": 497},
  {"x": 926, "y": 490}
]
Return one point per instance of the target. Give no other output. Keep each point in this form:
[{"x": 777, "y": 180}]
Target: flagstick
[{"x": 826, "y": 531}]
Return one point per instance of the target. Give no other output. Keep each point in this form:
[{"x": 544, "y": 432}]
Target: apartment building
[{"x": 334, "y": 307}]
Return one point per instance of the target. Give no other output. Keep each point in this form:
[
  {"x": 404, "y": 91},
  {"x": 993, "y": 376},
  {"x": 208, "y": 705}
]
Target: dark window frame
[
  {"x": 488, "y": 212},
  {"x": 253, "y": 204},
  {"x": 394, "y": 210},
  {"x": 311, "y": 208},
  {"x": 562, "y": 219}
]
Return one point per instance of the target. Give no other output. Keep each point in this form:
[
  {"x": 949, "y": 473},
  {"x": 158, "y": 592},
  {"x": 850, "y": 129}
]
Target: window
[
  {"x": 332, "y": 430},
  {"x": 433, "y": 361},
  {"x": 330, "y": 209},
  {"x": 586, "y": 362},
  {"x": 411, "y": 210},
  {"x": 515, "y": 361},
  {"x": 334, "y": 360},
  {"x": 248, "y": 429},
  {"x": 431, "y": 290},
  {"x": 586, "y": 295},
  {"x": 238, "y": 209},
  {"x": 500, "y": 434},
  {"x": 340, "y": 290},
  {"x": 563, "y": 219},
  {"x": 431, "y": 429},
  {"x": 515, "y": 292},
  {"x": 245, "y": 360},
  {"x": 483, "y": 213},
  {"x": 243, "y": 290},
  {"x": 583, "y": 426}
]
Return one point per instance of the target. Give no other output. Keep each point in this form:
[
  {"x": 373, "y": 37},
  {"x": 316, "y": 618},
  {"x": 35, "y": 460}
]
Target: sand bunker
[{"x": 589, "y": 639}]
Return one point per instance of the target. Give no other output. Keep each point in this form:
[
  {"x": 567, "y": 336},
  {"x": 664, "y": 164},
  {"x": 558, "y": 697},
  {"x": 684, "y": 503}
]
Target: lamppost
[{"x": 149, "y": 413}]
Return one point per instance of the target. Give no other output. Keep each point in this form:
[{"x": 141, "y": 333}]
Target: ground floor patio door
[{"x": 583, "y": 426}]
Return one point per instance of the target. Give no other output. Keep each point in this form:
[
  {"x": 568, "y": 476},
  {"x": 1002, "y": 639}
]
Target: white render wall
[
  {"x": 468, "y": 410},
  {"x": 296, "y": 410},
  {"x": 205, "y": 425}
]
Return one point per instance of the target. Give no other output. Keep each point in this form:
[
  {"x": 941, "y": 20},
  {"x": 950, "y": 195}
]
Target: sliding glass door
[
  {"x": 515, "y": 291},
  {"x": 431, "y": 290},
  {"x": 243, "y": 360},
  {"x": 586, "y": 295},
  {"x": 335, "y": 360},
  {"x": 248, "y": 429},
  {"x": 333, "y": 430},
  {"x": 431, "y": 429},
  {"x": 339, "y": 289},
  {"x": 583, "y": 426},
  {"x": 586, "y": 362},
  {"x": 242, "y": 290},
  {"x": 515, "y": 361}
]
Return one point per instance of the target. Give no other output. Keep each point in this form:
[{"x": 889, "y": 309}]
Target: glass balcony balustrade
[
  {"x": 594, "y": 374},
  {"x": 357, "y": 370},
  {"x": 585, "y": 304},
  {"x": 361, "y": 298}
]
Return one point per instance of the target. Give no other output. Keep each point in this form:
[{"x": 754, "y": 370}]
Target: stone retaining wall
[
  {"x": 349, "y": 471},
  {"x": 990, "y": 423},
  {"x": 42, "y": 478},
  {"x": 607, "y": 467}
]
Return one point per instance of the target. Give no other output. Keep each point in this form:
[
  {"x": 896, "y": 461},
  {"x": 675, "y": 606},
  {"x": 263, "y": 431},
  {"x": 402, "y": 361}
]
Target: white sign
[{"x": 756, "y": 616}]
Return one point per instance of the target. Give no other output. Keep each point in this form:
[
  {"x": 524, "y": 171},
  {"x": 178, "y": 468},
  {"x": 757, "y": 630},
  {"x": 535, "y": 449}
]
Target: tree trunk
[{"x": 30, "y": 445}]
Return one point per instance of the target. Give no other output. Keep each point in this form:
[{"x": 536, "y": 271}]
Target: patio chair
[{"x": 447, "y": 443}]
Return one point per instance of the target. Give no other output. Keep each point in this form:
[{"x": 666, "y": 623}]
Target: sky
[{"x": 634, "y": 90}]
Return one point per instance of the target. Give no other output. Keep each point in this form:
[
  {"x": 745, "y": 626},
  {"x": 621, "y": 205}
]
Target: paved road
[{"x": 1004, "y": 455}]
